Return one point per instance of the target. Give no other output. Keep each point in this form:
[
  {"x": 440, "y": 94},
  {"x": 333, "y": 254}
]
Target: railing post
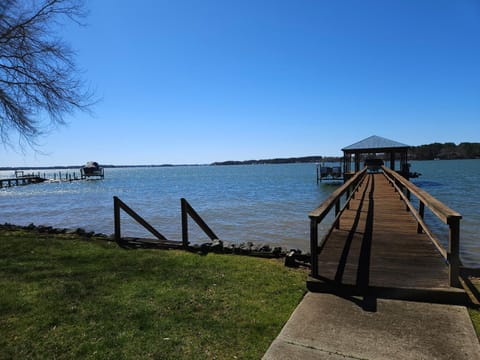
[
  {"x": 347, "y": 200},
  {"x": 183, "y": 204},
  {"x": 407, "y": 194},
  {"x": 421, "y": 212},
  {"x": 314, "y": 246},
  {"x": 116, "y": 215},
  {"x": 453, "y": 255},
  {"x": 337, "y": 210},
  {"x": 187, "y": 209}
]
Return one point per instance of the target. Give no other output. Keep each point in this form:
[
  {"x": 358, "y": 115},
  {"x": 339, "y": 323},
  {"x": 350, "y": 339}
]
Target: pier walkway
[
  {"x": 377, "y": 247},
  {"x": 379, "y": 243},
  {"x": 381, "y": 286}
]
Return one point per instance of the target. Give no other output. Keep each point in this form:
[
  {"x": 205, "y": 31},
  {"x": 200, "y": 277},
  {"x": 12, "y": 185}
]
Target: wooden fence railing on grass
[
  {"x": 186, "y": 210},
  {"x": 119, "y": 204},
  {"x": 448, "y": 216}
]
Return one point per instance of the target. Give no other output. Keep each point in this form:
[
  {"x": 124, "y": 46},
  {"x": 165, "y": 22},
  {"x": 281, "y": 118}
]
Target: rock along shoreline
[{"x": 293, "y": 257}]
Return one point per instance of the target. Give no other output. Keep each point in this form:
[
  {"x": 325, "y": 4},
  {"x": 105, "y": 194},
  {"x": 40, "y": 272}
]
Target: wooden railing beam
[
  {"x": 337, "y": 211},
  {"x": 317, "y": 215},
  {"x": 185, "y": 240},
  {"x": 116, "y": 216},
  {"x": 421, "y": 223},
  {"x": 314, "y": 246},
  {"x": 454, "y": 252},
  {"x": 188, "y": 209},
  {"x": 440, "y": 210},
  {"x": 119, "y": 204},
  {"x": 421, "y": 213}
]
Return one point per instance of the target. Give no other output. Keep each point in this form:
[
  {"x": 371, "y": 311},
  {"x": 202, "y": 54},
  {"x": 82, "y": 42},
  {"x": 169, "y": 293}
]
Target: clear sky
[{"x": 197, "y": 81}]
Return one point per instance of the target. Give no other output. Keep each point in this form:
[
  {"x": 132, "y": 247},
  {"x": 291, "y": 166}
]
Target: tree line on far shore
[{"x": 445, "y": 151}]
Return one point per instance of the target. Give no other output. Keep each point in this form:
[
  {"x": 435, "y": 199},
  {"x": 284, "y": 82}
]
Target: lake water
[{"x": 258, "y": 203}]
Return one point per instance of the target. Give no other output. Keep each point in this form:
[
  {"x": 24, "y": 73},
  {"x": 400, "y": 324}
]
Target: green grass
[
  {"x": 65, "y": 298},
  {"x": 474, "y": 311},
  {"x": 475, "y": 316}
]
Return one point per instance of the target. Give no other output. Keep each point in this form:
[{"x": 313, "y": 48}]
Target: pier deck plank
[{"x": 377, "y": 244}]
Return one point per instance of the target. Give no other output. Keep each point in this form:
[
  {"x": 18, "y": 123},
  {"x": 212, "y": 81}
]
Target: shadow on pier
[{"x": 376, "y": 248}]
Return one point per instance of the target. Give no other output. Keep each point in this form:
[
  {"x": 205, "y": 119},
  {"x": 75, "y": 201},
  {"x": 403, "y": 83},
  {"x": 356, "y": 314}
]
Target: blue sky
[{"x": 190, "y": 81}]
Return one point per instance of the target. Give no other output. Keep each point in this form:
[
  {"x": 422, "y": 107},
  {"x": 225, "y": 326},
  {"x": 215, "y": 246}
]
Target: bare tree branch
[{"x": 38, "y": 75}]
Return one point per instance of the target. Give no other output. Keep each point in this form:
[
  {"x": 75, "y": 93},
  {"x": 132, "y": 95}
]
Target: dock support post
[
  {"x": 453, "y": 255},
  {"x": 314, "y": 246}
]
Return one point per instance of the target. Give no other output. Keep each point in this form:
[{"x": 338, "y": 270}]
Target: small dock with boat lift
[
  {"x": 92, "y": 170},
  {"x": 329, "y": 173}
]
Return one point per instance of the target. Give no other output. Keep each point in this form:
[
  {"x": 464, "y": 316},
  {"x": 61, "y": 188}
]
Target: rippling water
[
  {"x": 456, "y": 184},
  {"x": 259, "y": 203}
]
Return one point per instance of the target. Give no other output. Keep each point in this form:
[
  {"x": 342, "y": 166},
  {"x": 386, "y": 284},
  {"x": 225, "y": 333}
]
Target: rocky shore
[{"x": 293, "y": 257}]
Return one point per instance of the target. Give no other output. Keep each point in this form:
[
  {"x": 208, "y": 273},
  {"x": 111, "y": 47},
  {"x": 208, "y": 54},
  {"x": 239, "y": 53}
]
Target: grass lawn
[
  {"x": 475, "y": 315},
  {"x": 66, "y": 298},
  {"x": 475, "y": 311}
]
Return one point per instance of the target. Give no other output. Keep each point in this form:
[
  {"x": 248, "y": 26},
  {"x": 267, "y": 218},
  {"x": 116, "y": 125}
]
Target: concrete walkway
[{"x": 325, "y": 326}]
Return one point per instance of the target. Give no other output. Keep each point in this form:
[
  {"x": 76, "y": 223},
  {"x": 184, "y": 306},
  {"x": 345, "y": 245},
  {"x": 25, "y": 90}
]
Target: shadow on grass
[{"x": 76, "y": 299}]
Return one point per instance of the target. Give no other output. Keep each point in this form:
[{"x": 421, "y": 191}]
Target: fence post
[
  {"x": 183, "y": 206},
  {"x": 421, "y": 212},
  {"x": 116, "y": 213},
  {"x": 337, "y": 210},
  {"x": 348, "y": 200},
  {"x": 314, "y": 246},
  {"x": 408, "y": 198},
  {"x": 453, "y": 255}
]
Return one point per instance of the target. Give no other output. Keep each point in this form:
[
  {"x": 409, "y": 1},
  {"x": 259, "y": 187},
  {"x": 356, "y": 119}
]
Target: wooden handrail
[
  {"x": 317, "y": 215},
  {"x": 320, "y": 212},
  {"x": 418, "y": 215},
  {"x": 443, "y": 212},
  {"x": 119, "y": 204},
  {"x": 187, "y": 209}
]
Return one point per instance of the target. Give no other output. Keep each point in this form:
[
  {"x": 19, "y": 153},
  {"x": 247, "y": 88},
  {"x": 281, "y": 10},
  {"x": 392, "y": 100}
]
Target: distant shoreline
[
  {"x": 79, "y": 166},
  {"x": 434, "y": 151},
  {"x": 295, "y": 160},
  {"x": 292, "y": 160}
]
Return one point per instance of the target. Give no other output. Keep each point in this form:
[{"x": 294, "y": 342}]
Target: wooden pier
[
  {"x": 379, "y": 243},
  {"x": 20, "y": 178},
  {"x": 23, "y": 180}
]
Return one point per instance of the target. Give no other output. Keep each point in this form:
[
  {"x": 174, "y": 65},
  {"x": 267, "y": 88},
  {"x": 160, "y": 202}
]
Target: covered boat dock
[{"x": 372, "y": 152}]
